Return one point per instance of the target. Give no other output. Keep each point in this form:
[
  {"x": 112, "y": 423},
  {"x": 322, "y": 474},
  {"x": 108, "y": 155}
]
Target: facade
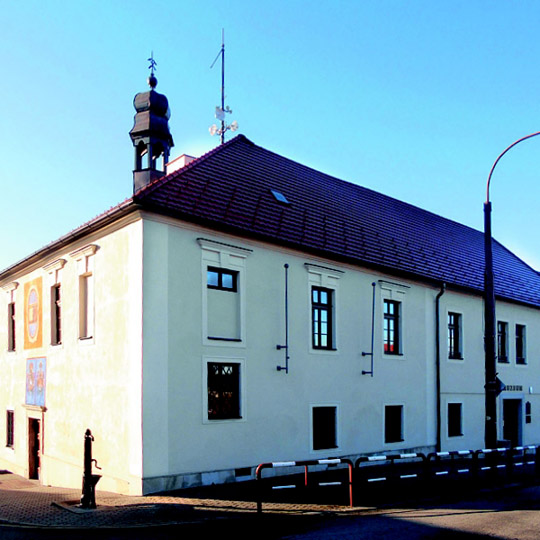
[{"x": 244, "y": 309}]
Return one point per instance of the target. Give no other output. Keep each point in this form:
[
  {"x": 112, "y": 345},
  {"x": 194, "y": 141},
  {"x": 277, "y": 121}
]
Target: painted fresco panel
[
  {"x": 33, "y": 314},
  {"x": 36, "y": 369}
]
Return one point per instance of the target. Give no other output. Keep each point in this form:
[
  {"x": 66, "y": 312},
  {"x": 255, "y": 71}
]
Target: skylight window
[{"x": 279, "y": 196}]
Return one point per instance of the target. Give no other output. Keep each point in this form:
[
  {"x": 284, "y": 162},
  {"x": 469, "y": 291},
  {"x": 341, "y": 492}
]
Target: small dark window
[
  {"x": 10, "y": 428},
  {"x": 56, "y": 315},
  {"x": 391, "y": 328},
  {"x": 393, "y": 423},
  {"x": 324, "y": 428},
  {"x": 528, "y": 412},
  {"x": 454, "y": 336},
  {"x": 223, "y": 280},
  {"x": 11, "y": 326},
  {"x": 322, "y": 318},
  {"x": 455, "y": 424},
  {"x": 502, "y": 342},
  {"x": 223, "y": 391},
  {"x": 521, "y": 357}
]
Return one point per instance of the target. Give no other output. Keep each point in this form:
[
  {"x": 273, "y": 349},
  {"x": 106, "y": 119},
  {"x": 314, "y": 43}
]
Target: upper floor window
[
  {"x": 223, "y": 292},
  {"x": 56, "y": 314},
  {"x": 322, "y": 318},
  {"x": 455, "y": 351},
  {"x": 502, "y": 341},
  {"x": 391, "y": 327},
  {"x": 10, "y": 289},
  {"x": 323, "y": 297},
  {"x": 221, "y": 279},
  {"x": 11, "y": 326},
  {"x": 85, "y": 267},
  {"x": 55, "y": 270},
  {"x": 521, "y": 349}
]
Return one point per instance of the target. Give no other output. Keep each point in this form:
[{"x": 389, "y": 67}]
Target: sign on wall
[
  {"x": 36, "y": 369},
  {"x": 33, "y": 314}
]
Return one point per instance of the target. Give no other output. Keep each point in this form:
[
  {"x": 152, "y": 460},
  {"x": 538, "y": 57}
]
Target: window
[
  {"x": 56, "y": 314},
  {"x": 223, "y": 381},
  {"x": 223, "y": 302},
  {"x": 220, "y": 279},
  {"x": 322, "y": 318},
  {"x": 324, "y": 427},
  {"x": 85, "y": 269},
  {"x": 528, "y": 413},
  {"x": 502, "y": 342},
  {"x": 393, "y": 423},
  {"x": 86, "y": 306},
  {"x": 454, "y": 336},
  {"x": 455, "y": 425},
  {"x": 391, "y": 327},
  {"x": 11, "y": 326},
  {"x": 521, "y": 354},
  {"x": 223, "y": 292},
  {"x": 10, "y": 429}
]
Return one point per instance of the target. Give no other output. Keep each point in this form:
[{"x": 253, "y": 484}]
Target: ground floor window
[
  {"x": 324, "y": 427},
  {"x": 393, "y": 423},
  {"x": 455, "y": 419},
  {"x": 10, "y": 428},
  {"x": 223, "y": 391}
]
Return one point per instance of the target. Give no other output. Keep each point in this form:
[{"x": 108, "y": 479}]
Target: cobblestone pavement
[{"x": 26, "y": 502}]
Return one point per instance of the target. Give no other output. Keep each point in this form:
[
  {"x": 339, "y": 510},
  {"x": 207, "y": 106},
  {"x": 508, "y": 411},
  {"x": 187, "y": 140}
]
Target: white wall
[
  {"x": 179, "y": 440},
  {"x": 93, "y": 383}
]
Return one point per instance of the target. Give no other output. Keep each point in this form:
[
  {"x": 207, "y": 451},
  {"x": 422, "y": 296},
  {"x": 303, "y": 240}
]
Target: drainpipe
[{"x": 438, "y": 363}]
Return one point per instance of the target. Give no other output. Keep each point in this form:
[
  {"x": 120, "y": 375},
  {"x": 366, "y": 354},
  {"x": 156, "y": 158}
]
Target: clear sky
[{"x": 412, "y": 98}]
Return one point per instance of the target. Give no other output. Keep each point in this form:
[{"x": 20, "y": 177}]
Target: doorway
[
  {"x": 512, "y": 421},
  {"x": 34, "y": 448}
]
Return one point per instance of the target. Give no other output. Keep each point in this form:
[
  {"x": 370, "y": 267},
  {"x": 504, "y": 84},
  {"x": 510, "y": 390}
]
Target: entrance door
[
  {"x": 512, "y": 421},
  {"x": 34, "y": 437}
]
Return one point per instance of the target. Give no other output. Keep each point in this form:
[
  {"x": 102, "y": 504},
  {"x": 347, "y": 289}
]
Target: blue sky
[{"x": 415, "y": 99}]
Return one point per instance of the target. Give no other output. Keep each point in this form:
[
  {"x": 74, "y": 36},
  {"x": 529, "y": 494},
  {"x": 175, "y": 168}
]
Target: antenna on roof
[{"x": 220, "y": 111}]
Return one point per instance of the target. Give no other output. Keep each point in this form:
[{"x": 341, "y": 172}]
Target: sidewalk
[{"x": 26, "y": 502}]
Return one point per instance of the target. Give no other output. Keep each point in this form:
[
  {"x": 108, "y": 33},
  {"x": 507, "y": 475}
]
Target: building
[{"x": 246, "y": 308}]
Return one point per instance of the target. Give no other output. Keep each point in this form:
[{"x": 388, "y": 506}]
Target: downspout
[{"x": 438, "y": 363}]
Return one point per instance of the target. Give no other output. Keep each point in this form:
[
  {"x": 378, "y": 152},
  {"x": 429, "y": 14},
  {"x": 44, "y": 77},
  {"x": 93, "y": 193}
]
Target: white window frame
[
  {"x": 461, "y": 342},
  {"x": 86, "y": 287},
  {"x": 241, "y": 362},
  {"x": 228, "y": 257},
  {"x": 326, "y": 278},
  {"x": 55, "y": 272},
  {"x": 525, "y": 363},
  {"x": 396, "y": 292},
  {"x": 11, "y": 289}
]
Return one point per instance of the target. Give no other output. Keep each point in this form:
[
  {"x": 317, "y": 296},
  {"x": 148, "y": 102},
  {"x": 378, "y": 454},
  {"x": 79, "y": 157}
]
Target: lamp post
[{"x": 492, "y": 384}]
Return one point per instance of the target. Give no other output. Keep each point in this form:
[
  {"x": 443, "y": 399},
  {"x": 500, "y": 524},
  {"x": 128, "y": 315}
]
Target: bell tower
[{"x": 152, "y": 140}]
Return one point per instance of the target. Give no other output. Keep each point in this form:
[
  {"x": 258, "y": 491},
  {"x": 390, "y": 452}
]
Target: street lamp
[{"x": 493, "y": 386}]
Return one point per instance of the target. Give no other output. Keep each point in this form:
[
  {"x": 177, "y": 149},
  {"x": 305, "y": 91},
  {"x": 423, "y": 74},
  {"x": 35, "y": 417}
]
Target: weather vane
[
  {"x": 152, "y": 65},
  {"x": 220, "y": 111}
]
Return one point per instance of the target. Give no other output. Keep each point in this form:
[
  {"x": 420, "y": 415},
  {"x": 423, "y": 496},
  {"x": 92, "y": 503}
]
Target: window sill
[
  {"x": 457, "y": 358},
  {"x": 233, "y": 340},
  {"x": 394, "y": 442}
]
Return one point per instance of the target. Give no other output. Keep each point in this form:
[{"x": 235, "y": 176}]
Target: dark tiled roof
[{"x": 231, "y": 188}]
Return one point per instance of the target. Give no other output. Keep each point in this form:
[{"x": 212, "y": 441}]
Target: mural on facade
[
  {"x": 35, "y": 381},
  {"x": 33, "y": 314}
]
